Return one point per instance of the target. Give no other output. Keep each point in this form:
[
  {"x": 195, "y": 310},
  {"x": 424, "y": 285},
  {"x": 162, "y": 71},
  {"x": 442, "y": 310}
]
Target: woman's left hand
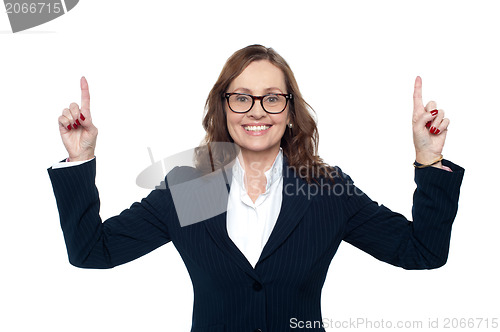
[{"x": 429, "y": 128}]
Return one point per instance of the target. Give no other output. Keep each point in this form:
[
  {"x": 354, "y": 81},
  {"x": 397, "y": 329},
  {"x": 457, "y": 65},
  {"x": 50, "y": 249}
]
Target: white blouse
[{"x": 250, "y": 224}]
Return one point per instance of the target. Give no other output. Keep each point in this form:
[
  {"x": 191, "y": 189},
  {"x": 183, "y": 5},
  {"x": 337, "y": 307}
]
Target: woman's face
[{"x": 259, "y": 78}]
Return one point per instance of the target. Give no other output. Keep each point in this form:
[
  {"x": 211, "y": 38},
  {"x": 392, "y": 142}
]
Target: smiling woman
[
  {"x": 261, "y": 264},
  {"x": 233, "y": 114}
]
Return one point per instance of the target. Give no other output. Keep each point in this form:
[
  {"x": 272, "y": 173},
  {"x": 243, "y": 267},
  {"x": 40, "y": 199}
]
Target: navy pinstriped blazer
[{"x": 231, "y": 295}]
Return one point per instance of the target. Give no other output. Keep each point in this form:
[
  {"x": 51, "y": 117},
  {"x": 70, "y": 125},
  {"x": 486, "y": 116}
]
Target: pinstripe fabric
[{"x": 231, "y": 295}]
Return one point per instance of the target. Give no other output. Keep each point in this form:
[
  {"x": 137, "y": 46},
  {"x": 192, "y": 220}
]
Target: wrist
[
  {"x": 438, "y": 165},
  {"x": 427, "y": 158},
  {"x": 434, "y": 163},
  {"x": 80, "y": 158}
]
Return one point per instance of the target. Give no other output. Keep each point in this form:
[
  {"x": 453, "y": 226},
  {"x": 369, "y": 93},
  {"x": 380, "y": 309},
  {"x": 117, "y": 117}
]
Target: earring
[{"x": 290, "y": 125}]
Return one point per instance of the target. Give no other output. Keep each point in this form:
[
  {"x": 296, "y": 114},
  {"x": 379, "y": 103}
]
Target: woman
[{"x": 260, "y": 265}]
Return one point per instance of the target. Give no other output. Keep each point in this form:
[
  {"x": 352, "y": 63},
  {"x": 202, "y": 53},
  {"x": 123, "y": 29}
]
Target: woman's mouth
[{"x": 256, "y": 130}]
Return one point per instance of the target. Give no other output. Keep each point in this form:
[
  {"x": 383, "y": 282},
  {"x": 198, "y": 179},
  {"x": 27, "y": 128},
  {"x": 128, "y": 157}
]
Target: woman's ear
[{"x": 289, "y": 118}]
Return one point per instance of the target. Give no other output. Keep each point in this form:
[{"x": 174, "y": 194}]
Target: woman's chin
[{"x": 256, "y": 147}]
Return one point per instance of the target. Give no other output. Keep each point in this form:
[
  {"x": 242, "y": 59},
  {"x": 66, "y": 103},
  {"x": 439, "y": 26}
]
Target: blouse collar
[{"x": 272, "y": 175}]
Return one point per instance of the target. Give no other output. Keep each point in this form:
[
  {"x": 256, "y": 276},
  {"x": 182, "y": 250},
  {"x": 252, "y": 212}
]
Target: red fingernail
[
  {"x": 433, "y": 129},
  {"x": 428, "y": 124},
  {"x": 69, "y": 127},
  {"x": 434, "y": 112},
  {"x": 437, "y": 131},
  {"x": 75, "y": 126},
  {"x": 82, "y": 117},
  {"x": 78, "y": 122}
]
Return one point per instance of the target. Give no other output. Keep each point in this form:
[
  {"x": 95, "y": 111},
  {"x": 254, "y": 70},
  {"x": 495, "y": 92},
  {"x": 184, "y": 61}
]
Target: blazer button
[{"x": 257, "y": 287}]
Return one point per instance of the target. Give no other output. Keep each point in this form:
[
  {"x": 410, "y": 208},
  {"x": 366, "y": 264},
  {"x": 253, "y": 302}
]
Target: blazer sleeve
[
  {"x": 388, "y": 236},
  {"x": 92, "y": 243}
]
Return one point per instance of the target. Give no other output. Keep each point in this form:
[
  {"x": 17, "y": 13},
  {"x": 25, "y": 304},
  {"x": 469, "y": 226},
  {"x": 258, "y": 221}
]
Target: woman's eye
[
  {"x": 271, "y": 99},
  {"x": 242, "y": 99}
]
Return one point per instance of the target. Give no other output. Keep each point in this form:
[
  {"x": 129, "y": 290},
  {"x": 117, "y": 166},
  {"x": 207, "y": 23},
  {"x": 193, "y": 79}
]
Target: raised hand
[
  {"x": 78, "y": 133},
  {"x": 429, "y": 128}
]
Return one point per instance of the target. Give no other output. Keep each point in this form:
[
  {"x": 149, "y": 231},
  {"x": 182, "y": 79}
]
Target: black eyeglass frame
[{"x": 288, "y": 96}]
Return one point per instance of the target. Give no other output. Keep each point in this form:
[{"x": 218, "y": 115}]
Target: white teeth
[{"x": 256, "y": 128}]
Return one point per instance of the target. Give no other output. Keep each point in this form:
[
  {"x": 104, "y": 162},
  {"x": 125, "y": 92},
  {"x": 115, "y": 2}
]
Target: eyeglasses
[{"x": 272, "y": 103}]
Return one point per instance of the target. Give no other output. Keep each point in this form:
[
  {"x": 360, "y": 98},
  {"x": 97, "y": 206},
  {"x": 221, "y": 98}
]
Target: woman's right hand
[{"x": 78, "y": 133}]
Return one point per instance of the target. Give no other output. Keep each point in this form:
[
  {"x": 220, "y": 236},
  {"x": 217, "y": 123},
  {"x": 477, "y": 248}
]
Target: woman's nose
[{"x": 257, "y": 111}]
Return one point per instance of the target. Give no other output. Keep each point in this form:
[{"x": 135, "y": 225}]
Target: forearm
[
  {"x": 78, "y": 205},
  {"x": 435, "y": 205}
]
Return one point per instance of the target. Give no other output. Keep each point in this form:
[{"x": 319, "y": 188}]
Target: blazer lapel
[
  {"x": 216, "y": 226},
  {"x": 293, "y": 206}
]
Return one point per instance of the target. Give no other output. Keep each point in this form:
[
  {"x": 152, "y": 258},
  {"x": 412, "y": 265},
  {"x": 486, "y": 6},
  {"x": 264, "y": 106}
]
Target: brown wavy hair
[{"x": 299, "y": 143}]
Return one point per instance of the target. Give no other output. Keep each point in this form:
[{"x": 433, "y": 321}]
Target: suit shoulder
[
  {"x": 181, "y": 174},
  {"x": 333, "y": 174}
]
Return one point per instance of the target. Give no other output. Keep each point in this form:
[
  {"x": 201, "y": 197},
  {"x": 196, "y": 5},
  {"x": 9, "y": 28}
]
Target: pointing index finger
[
  {"x": 85, "y": 95},
  {"x": 418, "y": 105}
]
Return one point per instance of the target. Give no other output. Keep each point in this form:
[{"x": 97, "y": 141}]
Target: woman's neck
[{"x": 255, "y": 163}]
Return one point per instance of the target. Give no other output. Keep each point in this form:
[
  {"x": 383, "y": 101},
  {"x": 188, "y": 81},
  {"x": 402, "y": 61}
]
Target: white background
[{"x": 150, "y": 66}]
